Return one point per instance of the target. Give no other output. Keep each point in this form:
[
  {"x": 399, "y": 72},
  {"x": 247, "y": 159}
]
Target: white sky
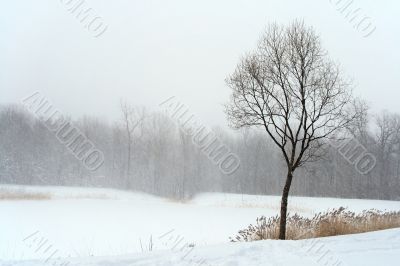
[{"x": 156, "y": 49}]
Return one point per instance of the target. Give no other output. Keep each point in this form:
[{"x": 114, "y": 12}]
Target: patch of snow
[{"x": 82, "y": 223}]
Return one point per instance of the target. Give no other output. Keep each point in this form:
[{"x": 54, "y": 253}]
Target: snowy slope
[
  {"x": 370, "y": 249},
  {"x": 81, "y": 223}
]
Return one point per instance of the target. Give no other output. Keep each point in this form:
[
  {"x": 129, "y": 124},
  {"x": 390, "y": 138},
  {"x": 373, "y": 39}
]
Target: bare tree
[
  {"x": 185, "y": 160},
  {"x": 132, "y": 119},
  {"x": 388, "y": 140},
  {"x": 358, "y": 128},
  {"x": 290, "y": 87}
]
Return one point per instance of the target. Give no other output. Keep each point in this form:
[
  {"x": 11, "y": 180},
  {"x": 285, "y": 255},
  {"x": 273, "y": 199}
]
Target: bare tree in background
[
  {"x": 185, "y": 141},
  {"x": 358, "y": 128},
  {"x": 388, "y": 140},
  {"x": 132, "y": 119},
  {"x": 290, "y": 87}
]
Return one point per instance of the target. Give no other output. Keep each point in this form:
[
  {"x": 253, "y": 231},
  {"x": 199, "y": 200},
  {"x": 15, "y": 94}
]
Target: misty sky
[{"x": 153, "y": 50}]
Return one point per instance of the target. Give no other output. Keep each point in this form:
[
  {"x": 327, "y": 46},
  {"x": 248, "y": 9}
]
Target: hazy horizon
[{"x": 155, "y": 50}]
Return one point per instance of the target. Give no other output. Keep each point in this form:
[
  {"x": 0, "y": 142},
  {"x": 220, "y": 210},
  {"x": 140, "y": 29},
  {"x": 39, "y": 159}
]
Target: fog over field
[{"x": 199, "y": 133}]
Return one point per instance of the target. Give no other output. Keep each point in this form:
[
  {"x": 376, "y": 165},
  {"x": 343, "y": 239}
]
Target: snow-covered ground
[
  {"x": 370, "y": 249},
  {"x": 110, "y": 227}
]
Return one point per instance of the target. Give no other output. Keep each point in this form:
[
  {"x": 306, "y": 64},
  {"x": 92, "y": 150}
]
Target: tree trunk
[{"x": 284, "y": 203}]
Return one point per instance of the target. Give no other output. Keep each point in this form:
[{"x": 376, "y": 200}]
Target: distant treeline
[{"x": 146, "y": 151}]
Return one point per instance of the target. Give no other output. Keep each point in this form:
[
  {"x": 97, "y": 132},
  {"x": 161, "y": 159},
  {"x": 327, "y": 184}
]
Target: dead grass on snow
[{"x": 331, "y": 223}]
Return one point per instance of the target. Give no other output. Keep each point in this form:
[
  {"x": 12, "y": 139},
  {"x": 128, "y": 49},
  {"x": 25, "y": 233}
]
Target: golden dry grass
[
  {"x": 22, "y": 195},
  {"x": 331, "y": 223}
]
